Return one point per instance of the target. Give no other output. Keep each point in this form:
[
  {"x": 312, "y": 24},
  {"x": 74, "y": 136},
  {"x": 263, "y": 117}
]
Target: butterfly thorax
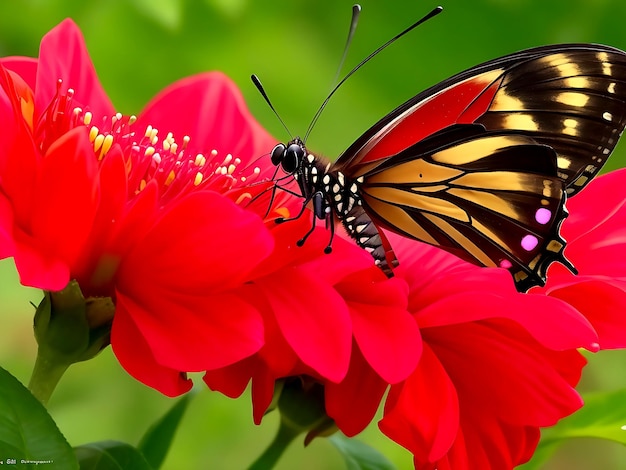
[{"x": 332, "y": 195}]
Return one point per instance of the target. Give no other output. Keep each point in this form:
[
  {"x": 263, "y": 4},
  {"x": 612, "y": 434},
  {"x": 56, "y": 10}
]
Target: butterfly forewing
[
  {"x": 571, "y": 97},
  {"x": 572, "y": 100}
]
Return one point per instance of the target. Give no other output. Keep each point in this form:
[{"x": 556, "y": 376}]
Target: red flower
[
  {"x": 322, "y": 314},
  {"x": 494, "y": 365},
  {"x": 596, "y": 242},
  {"x": 157, "y": 225},
  {"x": 497, "y": 365}
]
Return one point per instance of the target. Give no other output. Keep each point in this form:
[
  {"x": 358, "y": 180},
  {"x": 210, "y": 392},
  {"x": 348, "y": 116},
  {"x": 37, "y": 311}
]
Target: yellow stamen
[
  {"x": 93, "y": 133},
  {"x": 243, "y": 197},
  {"x": 200, "y": 160},
  {"x": 282, "y": 211},
  {"x": 97, "y": 143},
  {"x": 198, "y": 179},
  {"x": 106, "y": 145},
  {"x": 170, "y": 178}
]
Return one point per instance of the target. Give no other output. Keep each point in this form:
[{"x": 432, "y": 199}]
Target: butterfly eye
[
  {"x": 292, "y": 158},
  {"x": 278, "y": 154}
]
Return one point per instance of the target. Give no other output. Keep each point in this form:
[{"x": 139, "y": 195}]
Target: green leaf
[
  {"x": 158, "y": 439},
  {"x": 602, "y": 417},
  {"x": 358, "y": 455},
  {"x": 27, "y": 432},
  {"x": 110, "y": 455}
]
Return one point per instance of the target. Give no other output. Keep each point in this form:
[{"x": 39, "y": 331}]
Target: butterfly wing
[
  {"x": 571, "y": 97},
  {"x": 481, "y": 163},
  {"x": 492, "y": 198}
]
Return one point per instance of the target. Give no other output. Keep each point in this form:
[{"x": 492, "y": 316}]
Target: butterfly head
[{"x": 289, "y": 157}]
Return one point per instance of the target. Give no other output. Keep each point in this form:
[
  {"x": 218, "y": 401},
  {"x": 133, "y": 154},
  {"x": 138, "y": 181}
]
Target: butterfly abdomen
[{"x": 342, "y": 196}]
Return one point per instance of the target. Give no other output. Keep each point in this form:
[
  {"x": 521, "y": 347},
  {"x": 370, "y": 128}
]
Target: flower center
[{"x": 173, "y": 165}]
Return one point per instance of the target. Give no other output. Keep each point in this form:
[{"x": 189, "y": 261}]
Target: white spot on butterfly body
[
  {"x": 326, "y": 179},
  {"x": 310, "y": 158},
  {"x": 607, "y": 116}
]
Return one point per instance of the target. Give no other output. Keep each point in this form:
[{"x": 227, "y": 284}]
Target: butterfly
[{"x": 480, "y": 164}]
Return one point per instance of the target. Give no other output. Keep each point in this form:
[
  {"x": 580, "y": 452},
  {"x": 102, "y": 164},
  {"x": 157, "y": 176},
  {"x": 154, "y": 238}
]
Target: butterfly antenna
[
  {"x": 427, "y": 17},
  {"x": 259, "y": 86},
  {"x": 356, "y": 12}
]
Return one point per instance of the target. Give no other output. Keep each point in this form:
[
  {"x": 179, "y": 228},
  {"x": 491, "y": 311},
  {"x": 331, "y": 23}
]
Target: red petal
[
  {"x": 497, "y": 367},
  {"x": 20, "y": 157},
  {"x": 7, "y": 246},
  {"x": 63, "y": 55},
  {"x": 563, "y": 328},
  {"x": 66, "y": 195},
  {"x": 353, "y": 402},
  {"x": 135, "y": 356},
  {"x": 389, "y": 339},
  {"x": 488, "y": 444},
  {"x": 313, "y": 318},
  {"x": 601, "y": 199},
  {"x": 422, "y": 414},
  {"x": 202, "y": 243},
  {"x": 25, "y": 67},
  {"x": 232, "y": 380},
  {"x": 603, "y": 305},
  {"x": 113, "y": 194},
  {"x": 210, "y": 109},
  {"x": 37, "y": 267},
  {"x": 195, "y": 333}
]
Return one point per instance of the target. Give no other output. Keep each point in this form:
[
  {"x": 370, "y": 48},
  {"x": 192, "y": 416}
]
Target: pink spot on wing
[
  {"x": 543, "y": 215},
  {"x": 529, "y": 242},
  {"x": 505, "y": 263}
]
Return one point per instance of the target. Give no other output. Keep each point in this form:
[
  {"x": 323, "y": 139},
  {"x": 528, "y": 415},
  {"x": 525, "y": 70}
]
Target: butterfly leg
[
  {"x": 330, "y": 225},
  {"x": 321, "y": 210},
  {"x": 281, "y": 220}
]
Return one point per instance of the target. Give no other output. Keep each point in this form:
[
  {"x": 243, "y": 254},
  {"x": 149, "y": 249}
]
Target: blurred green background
[{"x": 140, "y": 46}]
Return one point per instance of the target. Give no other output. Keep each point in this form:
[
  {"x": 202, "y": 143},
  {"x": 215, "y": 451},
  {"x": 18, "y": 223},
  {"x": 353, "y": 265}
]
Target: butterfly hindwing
[{"x": 479, "y": 196}]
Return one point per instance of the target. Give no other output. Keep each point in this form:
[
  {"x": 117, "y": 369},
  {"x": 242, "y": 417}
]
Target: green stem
[
  {"x": 45, "y": 377},
  {"x": 283, "y": 438}
]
